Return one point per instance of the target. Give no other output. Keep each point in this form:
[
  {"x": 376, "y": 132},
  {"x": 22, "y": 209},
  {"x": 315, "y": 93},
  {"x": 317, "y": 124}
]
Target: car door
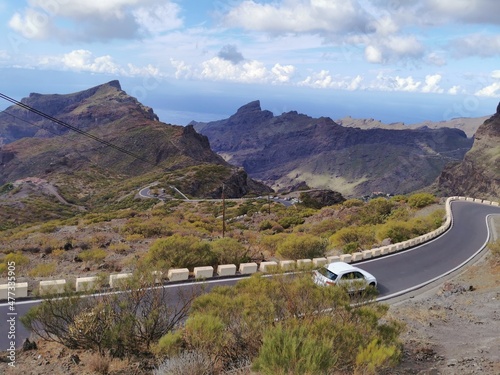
[{"x": 352, "y": 280}]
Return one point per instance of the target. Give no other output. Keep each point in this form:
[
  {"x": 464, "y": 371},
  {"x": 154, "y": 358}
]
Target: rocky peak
[{"x": 250, "y": 113}]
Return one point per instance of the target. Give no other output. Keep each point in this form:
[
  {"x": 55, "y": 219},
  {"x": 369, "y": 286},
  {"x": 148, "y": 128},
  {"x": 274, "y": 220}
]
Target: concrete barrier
[
  {"x": 356, "y": 257},
  {"x": 52, "y": 287},
  {"x": 376, "y": 252},
  {"x": 86, "y": 284},
  {"x": 392, "y": 248},
  {"x": 18, "y": 290},
  {"x": 248, "y": 268},
  {"x": 287, "y": 265},
  {"x": 204, "y": 272},
  {"x": 367, "y": 254},
  {"x": 304, "y": 264},
  {"x": 226, "y": 269},
  {"x": 115, "y": 280},
  {"x": 333, "y": 259},
  {"x": 318, "y": 262},
  {"x": 268, "y": 266},
  {"x": 347, "y": 258},
  {"x": 178, "y": 274}
]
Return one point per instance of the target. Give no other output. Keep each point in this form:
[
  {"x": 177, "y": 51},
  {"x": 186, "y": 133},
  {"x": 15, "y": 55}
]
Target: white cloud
[
  {"x": 218, "y": 69},
  {"x": 324, "y": 80},
  {"x": 95, "y": 20},
  {"x": 432, "y": 84},
  {"x": 492, "y": 90},
  {"x": 384, "y": 49},
  {"x": 299, "y": 16},
  {"x": 373, "y": 55},
  {"x": 454, "y": 90},
  {"x": 158, "y": 19},
  {"x": 483, "y": 45},
  {"x": 283, "y": 73},
  {"x": 32, "y": 24},
  {"x": 470, "y": 11},
  {"x": 397, "y": 83},
  {"x": 83, "y": 60}
]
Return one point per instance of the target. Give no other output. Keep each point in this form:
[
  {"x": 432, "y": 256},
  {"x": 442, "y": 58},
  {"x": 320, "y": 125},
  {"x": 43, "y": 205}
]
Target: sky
[{"x": 391, "y": 60}]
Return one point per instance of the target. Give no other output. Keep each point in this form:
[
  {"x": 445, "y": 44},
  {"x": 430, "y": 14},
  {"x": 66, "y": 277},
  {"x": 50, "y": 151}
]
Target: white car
[{"x": 341, "y": 273}]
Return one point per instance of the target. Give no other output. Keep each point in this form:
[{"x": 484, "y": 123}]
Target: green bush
[
  {"x": 364, "y": 236},
  {"x": 180, "y": 251},
  {"x": 294, "y": 350},
  {"x": 18, "y": 259},
  {"x": 94, "y": 255},
  {"x": 301, "y": 246},
  {"x": 289, "y": 221},
  {"x": 420, "y": 200},
  {"x": 229, "y": 251},
  {"x": 43, "y": 270},
  {"x": 286, "y": 325}
]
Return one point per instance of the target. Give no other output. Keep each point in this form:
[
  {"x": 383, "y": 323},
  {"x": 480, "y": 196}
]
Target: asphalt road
[{"x": 396, "y": 274}]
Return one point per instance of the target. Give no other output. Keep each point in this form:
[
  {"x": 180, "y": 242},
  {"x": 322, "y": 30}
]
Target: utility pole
[{"x": 223, "y": 212}]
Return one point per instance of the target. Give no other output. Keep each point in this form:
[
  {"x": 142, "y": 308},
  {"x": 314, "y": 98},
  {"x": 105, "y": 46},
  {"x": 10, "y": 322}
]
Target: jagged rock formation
[
  {"x": 291, "y": 148},
  {"x": 478, "y": 175}
]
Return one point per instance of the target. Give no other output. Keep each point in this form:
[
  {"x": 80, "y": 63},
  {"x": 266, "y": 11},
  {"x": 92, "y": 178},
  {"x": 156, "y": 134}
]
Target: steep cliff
[{"x": 478, "y": 175}]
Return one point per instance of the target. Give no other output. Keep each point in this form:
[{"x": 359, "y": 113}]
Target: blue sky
[{"x": 392, "y": 60}]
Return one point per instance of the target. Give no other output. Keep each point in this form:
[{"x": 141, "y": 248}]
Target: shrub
[
  {"x": 18, "y": 259},
  {"x": 99, "y": 364},
  {"x": 43, "y": 270},
  {"x": 294, "y": 350},
  {"x": 289, "y": 221},
  {"x": 265, "y": 225},
  {"x": 364, "y": 236},
  {"x": 180, "y": 251},
  {"x": 301, "y": 246},
  {"x": 352, "y": 203},
  {"x": 93, "y": 255},
  {"x": 376, "y": 211},
  {"x": 286, "y": 325},
  {"x": 494, "y": 247},
  {"x": 229, "y": 251},
  {"x": 420, "y": 200}
]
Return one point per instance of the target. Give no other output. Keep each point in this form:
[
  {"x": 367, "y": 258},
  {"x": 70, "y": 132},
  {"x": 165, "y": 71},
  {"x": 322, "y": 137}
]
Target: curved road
[{"x": 396, "y": 274}]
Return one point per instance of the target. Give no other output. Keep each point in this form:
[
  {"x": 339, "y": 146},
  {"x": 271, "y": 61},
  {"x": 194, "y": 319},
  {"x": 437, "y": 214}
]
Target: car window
[
  {"x": 327, "y": 273},
  {"x": 358, "y": 275}
]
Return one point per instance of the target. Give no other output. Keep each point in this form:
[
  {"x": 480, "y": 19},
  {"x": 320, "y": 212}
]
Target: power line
[{"x": 75, "y": 129}]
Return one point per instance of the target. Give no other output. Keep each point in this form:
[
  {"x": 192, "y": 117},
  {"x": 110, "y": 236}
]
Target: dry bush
[
  {"x": 99, "y": 364},
  {"x": 193, "y": 363}
]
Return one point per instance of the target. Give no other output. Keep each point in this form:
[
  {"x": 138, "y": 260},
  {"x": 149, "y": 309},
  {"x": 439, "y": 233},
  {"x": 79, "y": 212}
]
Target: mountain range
[
  {"x": 50, "y": 171},
  {"x": 92, "y": 174},
  {"x": 292, "y": 149}
]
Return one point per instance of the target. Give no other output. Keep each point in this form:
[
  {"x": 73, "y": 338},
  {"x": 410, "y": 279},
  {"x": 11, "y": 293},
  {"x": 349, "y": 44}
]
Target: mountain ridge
[{"x": 291, "y": 148}]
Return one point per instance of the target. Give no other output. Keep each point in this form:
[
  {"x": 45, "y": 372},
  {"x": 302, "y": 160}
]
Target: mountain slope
[
  {"x": 85, "y": 169},
  {"x": 478, "y": 175},
  {"x": 288, "y": 149}
]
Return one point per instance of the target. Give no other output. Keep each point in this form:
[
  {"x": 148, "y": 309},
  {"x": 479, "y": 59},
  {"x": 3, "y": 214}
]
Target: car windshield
[{"x": 328, "y": 274}]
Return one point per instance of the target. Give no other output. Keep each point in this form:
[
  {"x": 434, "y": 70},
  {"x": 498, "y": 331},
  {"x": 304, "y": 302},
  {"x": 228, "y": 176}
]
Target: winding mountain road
[{"x": 397, "y": 274}]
